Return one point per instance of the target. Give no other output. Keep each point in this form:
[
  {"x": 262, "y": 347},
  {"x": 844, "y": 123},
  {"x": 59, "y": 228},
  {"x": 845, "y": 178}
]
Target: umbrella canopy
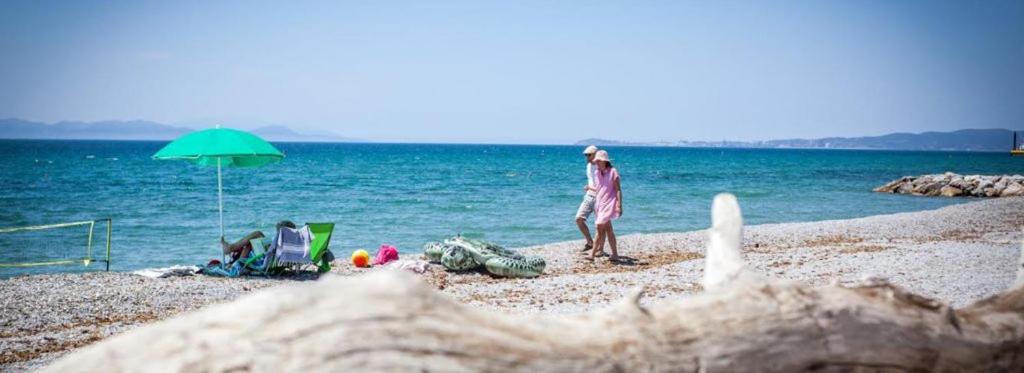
[{"x": 221, "y": 147}]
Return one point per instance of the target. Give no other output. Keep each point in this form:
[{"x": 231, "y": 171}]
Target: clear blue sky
[{"x": 488, "y": 71}]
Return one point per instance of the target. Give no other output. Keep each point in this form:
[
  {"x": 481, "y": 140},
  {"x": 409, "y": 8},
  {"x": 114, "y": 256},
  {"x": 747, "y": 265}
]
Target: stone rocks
[
  {"x": 953, "y": 185},
  {"x": 890, "y": 187},
  {"x": 930, "y": 189},
  {"x": 1012, "y": 190},
  {"x": 1001, "y": 184},
  {"x": 950, "y": 191}
]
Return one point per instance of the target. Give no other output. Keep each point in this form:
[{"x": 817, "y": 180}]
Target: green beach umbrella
[{"x": 221, "y": 147}]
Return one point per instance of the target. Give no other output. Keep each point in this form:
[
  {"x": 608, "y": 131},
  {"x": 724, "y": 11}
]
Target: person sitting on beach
[
  {"x": 240, "y": 249},
  {"x": 608, "y": 204},
  {"x": 589, "y": 195}
]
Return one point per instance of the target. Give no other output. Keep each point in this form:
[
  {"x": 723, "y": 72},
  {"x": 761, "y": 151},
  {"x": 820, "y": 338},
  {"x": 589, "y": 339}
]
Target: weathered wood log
[{"x": 742, "y": 322}]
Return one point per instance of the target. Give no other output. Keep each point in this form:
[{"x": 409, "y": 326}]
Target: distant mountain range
[
  {"x": 966, "y": 140},
  {"x": 138, "y": 130},
  {"x": 963, "y": 140}
]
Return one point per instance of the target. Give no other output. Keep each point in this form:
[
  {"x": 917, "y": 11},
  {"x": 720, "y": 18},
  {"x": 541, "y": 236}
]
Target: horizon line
[
  {"x": 557, "y": 145},
  {"x": 344, "y": 139}
]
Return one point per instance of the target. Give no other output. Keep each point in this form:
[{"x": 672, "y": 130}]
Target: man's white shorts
[{"x": 586, "y": 207}]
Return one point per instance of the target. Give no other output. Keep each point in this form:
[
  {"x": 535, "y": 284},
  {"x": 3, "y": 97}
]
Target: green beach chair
[
  {"x": 255, "y": 263},
  {"x": 318, "y": 250}
]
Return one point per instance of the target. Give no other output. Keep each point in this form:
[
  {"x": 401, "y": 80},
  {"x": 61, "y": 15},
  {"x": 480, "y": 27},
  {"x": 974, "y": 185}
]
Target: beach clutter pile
[{"x": 463, "y": 254}]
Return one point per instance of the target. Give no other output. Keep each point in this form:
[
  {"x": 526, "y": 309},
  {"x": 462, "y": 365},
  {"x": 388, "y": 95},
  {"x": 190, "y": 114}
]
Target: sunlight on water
[{"x": 165, "y": 212}]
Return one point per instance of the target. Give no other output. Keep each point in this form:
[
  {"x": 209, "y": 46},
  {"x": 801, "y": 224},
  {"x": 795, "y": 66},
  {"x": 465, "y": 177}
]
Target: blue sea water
[{"x": 165, "y": 212}]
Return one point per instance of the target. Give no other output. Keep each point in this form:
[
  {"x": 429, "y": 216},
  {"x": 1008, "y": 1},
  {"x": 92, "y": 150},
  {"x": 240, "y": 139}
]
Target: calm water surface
[{"x": 165, "y": 212}]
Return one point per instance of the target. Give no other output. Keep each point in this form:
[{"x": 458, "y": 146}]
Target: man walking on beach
[{"x": 589, "y": 196}]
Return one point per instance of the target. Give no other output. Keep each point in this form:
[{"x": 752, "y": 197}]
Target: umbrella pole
[{"x": 220, "y": 201}]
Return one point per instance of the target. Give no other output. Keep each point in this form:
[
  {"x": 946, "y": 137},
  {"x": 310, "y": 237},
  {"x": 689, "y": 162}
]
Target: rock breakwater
[{"x": 954, "y": 185}]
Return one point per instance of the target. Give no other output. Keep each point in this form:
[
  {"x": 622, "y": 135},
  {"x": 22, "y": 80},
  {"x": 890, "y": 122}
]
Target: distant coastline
[
  {"x": 978, "y": 140},
  {"x": 972, "y": 140},
  {"x": 139, "y": 130}
]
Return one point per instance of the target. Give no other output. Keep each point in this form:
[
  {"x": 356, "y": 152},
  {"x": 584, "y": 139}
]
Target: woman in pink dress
[{"x": 608, "y": 205}]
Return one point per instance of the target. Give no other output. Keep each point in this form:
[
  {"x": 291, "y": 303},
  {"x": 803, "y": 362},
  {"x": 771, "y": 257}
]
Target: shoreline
[{"x": 957, "y": 254}]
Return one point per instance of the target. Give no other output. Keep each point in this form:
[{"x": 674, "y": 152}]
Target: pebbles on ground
[{"x": 957, "y": 254}]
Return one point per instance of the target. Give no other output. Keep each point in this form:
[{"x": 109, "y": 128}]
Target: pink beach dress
[{"x": 607, "y": 196}]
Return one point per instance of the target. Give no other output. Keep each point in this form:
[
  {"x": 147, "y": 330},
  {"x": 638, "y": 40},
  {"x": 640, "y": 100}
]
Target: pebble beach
[{"x": 957, "y": 254}]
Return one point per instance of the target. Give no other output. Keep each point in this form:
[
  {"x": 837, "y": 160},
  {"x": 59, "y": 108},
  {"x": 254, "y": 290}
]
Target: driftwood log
[{"x": 742, "y": 322}]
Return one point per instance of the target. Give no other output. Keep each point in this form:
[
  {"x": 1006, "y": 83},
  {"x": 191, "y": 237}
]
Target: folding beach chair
[
  {"x": 318, "y": 251},
  {"x": 294, "y": 248}
]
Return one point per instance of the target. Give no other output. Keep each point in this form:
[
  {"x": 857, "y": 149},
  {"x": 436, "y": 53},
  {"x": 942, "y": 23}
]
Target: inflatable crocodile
[{"x": 462, "y": 254}]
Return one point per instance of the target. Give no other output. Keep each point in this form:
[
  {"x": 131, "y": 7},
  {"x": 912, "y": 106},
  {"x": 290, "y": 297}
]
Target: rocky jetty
[{"x": 954, "y": 185}]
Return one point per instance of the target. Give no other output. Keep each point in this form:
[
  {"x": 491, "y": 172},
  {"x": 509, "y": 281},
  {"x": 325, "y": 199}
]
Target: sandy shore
[{"x": 957, "y": 254}]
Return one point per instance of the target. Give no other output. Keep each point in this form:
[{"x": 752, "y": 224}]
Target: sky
[{"x": 521, "y": 71}]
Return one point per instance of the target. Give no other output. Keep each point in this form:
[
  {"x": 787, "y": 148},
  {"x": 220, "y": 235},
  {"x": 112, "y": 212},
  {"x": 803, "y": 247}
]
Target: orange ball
[{"x": 361, "y": 258}]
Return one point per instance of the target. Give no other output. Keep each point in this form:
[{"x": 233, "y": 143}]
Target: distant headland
[
  {"x": 983, "y": 140},
  {"x": 139, "y": 130}
]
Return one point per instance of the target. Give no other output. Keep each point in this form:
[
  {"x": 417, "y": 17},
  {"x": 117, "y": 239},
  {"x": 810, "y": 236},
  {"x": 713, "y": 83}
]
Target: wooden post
[{"x": 110, "y": 223}]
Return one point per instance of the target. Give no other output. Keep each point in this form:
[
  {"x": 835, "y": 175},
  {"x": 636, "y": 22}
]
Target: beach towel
[
  {"x": 385, "y": 254},
  {"x": 256, "y": 262},
  {"x": 292, "y": 245},
  {"x": 220, "y": 270},
  {"x": 414, "y": 266},
  {"x": 172, "y": 271}
]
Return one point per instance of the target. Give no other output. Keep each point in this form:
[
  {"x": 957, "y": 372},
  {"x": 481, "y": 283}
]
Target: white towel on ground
[{"x": 172, "y": 271}]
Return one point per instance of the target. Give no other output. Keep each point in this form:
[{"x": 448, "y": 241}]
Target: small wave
[{"x": 90, "y": 156}]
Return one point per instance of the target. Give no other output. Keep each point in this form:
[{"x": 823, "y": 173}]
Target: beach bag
[{"x": 385, "y": 254}]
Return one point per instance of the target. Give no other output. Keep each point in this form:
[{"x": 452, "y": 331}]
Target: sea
[{"x": 164, "y": 213}]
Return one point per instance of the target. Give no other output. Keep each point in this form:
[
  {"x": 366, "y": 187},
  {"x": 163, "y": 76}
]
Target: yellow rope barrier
[
  {"x": 86, "y": 261},
  {"x": 48, "y": 226}
]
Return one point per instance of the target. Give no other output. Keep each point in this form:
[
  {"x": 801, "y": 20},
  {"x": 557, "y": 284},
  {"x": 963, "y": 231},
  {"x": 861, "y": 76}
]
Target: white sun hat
[{"x": 590, "y": 150}]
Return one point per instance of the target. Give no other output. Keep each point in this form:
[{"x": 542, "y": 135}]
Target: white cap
[{"x": 590, "y": 150}]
